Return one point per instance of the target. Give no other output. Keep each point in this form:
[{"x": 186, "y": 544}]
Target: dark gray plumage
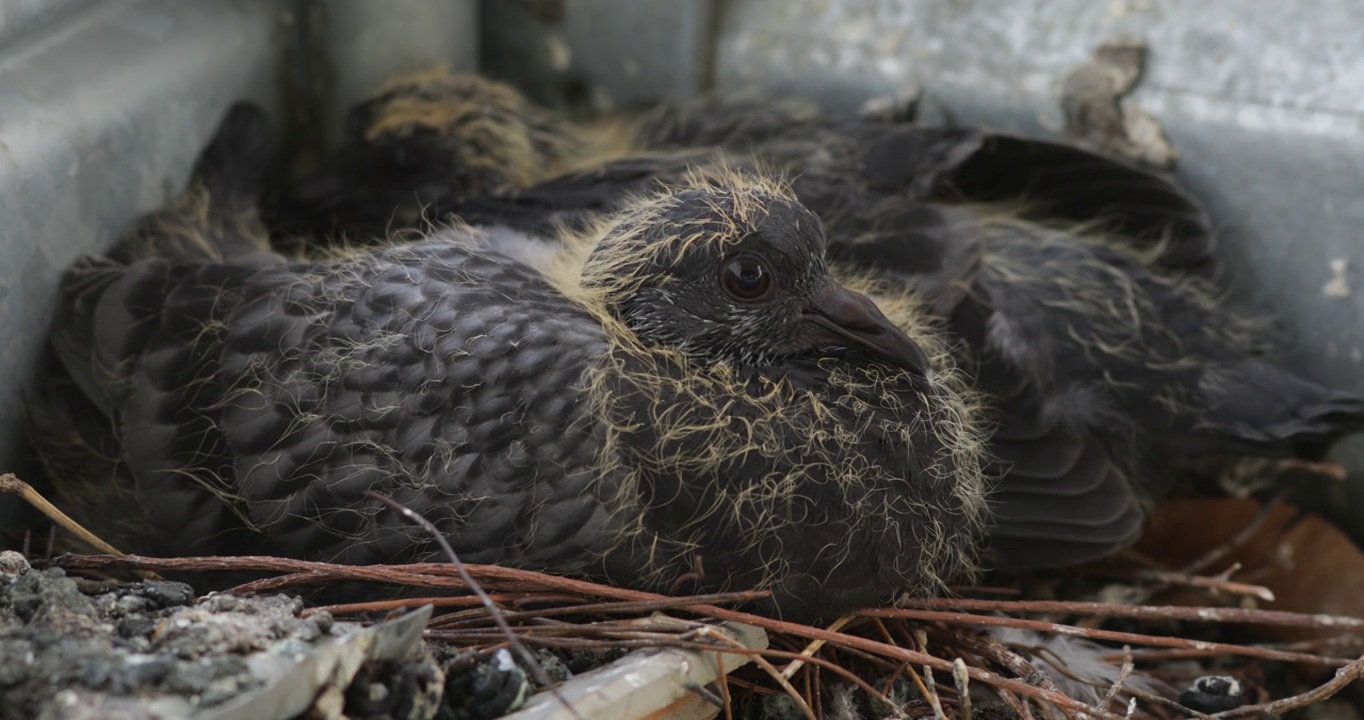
[
  {"x": 1099, "y": 370},
  {"x": 611, "y": 414},
  {"x": 1075, "y": 285},
  {"x": 423, "y": 137}
]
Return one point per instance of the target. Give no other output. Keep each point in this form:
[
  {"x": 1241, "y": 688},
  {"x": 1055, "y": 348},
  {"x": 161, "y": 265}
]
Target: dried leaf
[{"x": 1310, "y": 565}]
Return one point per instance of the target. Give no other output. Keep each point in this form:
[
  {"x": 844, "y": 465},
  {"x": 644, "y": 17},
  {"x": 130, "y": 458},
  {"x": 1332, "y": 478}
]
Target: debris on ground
[
  {"x": 1307, "y": 564},
  {"x": 1121, "y": 640},
  {"x": 1100, "y": 116},
  {"x": 76, "y": 648}
]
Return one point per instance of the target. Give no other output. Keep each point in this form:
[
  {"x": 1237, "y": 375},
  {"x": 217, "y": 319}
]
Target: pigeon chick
[
  {"x": 428, "y": 138},
  {"x": 1101, "y": 364},
  {"x": 423, "y": 137},
  {"x": 433, "y": 136},
  {"x": 684, "y": 379}
]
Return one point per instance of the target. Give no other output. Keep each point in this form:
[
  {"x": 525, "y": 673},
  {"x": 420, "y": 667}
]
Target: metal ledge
[
  {"x": 104, "y": 106},
  {"x": 101, "y": 115},
  {"x": 23, "y": 18}
]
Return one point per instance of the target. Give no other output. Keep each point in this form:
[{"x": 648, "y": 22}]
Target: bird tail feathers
[{"x": 1260, "y": 409}]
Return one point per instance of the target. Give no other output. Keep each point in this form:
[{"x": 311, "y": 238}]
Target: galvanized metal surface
[
  {"x": 23, "y": 18},
  {"x": 103, "y": 107},
  {"x": 619, "y": 53},
  {"x": 101, "y": 115}
]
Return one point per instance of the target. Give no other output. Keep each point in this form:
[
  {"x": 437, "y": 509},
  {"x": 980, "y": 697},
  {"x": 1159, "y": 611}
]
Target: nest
[{"x": 987, "y": 653}]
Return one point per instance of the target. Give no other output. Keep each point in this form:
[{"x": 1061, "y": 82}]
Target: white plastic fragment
[{"x": 656, "y": 684}]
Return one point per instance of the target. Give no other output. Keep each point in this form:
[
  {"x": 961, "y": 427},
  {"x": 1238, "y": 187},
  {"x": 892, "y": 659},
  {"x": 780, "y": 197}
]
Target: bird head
[
  {"x": 471, "y": 134},
  {"x": 734, "y": 270}
]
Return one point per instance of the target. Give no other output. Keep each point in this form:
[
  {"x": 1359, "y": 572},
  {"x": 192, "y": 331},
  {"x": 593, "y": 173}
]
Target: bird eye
[{"x": 746, "y": 278}]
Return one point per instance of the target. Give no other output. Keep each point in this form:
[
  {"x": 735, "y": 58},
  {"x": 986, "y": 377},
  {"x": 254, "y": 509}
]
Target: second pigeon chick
[
  {"x": 431, "y": 137},
  {"x": 1074, "y": 284}
]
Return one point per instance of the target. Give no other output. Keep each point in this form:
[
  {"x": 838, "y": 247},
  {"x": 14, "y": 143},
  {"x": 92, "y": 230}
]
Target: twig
[
  {"x": 1018, "y": 705},
  {"x": 1057, "y": 698},
  {"x": 1123, "y": 674},
  {"x": 1351, "y": 643},
  {"x": 1334, "y": 471},
  {"x": 934, "y": 701},
  {"x": 420, "y": 574},
  {"x": 993, "y": 649},
  {"x": 697, "y": 574},
  {"x": 923, "y": 687},
  {"x": 932, "y": 695},
  {"x": 752, "y": 687},
  {"x": 794, "y": 666},
  {"x": 387, "y": 605},
  {"x": 1147, "y": 612},
  {"x": 701, "y": 692},
  {"x": 12, "y": 485},
  {"x": 1216, "y": 555},
  {"x": 812, "y": 689},
  {"x": 1344, "y": 676},
  {"x": 1156, "y": 640},
  {"x": 641, "y": 606},
  {"x": 724, "y": 686},
  {"x": 963, "y": 682},
  {"x": 762, "y": 662},
  {"x": 821, "y": 663},
  {"x": 1155, "y": 699},
  {"x": 1216, "y": 583},
  {"x": 889, "y": 683},
  {"x": 526, "y": 655}
]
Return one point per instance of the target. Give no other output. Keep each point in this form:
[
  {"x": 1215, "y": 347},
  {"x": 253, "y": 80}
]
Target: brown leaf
[{"x": 1310, "y": 565}]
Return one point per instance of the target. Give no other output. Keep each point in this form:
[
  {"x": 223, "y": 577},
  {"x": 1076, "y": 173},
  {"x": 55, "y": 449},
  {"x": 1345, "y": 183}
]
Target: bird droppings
[
  {"x": 560, "y": 54},
  {"x": 899, "y": 106},
  {"x": 73, "y": 649},
  {"x": 1339, "y": 284},
  {"x": 1119, "y": 9},
  {"x": 12, "y": 564},
  {"x": 148, "y": 650},
  {"x": 139, "y": 650}
]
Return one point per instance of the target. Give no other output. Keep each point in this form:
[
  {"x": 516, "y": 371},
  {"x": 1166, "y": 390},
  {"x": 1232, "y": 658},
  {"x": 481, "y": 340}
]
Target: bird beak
[{"x": 851, "y": 319}]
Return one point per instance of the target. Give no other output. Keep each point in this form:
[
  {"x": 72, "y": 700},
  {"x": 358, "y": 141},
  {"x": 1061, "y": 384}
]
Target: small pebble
[
  {"x": 12, "y": 564},
  {"x": 1213, "y": 693}
]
